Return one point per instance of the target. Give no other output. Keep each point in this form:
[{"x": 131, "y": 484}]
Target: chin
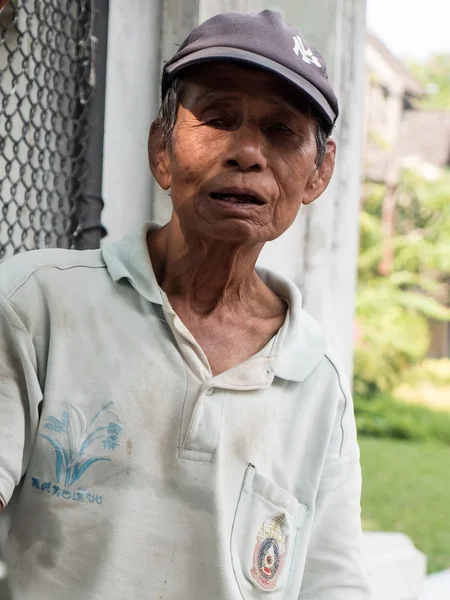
[{"x": 252, "y": 229}]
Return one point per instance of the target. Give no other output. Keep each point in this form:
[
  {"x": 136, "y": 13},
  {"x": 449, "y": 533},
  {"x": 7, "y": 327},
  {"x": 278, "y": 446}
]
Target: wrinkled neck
[{"x": 204, "y": 273}]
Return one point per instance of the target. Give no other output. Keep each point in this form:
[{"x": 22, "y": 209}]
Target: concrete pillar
[
  {"x": 320, "y": 250},
  {"x": 208, "y": 8},
  {"x": 131, "y": 104}
]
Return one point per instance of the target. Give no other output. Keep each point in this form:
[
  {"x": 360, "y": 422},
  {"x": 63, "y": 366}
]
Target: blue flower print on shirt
[
  {"x": 110, "y": 443},
  {"x": 58, "y": 425},
  {"x": 114, "y": 429},
  {"x": 74, "y": 450}
]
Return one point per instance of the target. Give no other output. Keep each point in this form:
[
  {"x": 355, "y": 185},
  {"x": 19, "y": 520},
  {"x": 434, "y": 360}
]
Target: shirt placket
[{"x": 205, "y": 425}]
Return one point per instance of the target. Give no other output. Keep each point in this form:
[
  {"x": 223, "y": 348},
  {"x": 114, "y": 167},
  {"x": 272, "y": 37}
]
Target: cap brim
[{"x": 237, "y": 55}]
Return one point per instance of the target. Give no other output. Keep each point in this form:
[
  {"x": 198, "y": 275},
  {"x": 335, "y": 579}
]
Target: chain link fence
[{"x": 47, "y": 77}]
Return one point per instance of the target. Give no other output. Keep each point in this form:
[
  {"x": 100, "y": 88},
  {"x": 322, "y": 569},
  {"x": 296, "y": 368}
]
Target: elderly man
[{"x": 173, "y": 424}]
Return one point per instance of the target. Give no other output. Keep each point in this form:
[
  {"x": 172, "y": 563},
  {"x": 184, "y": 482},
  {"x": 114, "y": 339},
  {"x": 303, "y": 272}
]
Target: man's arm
[
  {"x": 20, "y": 395},
  {"x": 335, "y": 567}
]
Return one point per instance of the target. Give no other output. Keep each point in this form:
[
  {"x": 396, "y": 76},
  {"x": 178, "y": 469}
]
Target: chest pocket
[{"x": 266, "y": 531}]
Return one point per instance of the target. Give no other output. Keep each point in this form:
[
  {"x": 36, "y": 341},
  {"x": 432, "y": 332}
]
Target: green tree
[{"x": 393, "y": 309}]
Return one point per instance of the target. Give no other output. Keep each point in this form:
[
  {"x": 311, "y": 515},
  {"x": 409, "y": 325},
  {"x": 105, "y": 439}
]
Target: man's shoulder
[
  {"x": 335, "y": 363},
  {"x": 17, "y": 270},
  {"x": 317, "y": 357},
  {"x": 326, "y": 368}
]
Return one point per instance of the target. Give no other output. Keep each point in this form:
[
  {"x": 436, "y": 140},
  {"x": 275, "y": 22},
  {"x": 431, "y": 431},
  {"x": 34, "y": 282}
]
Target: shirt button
[{"x": 210, "y": 391}]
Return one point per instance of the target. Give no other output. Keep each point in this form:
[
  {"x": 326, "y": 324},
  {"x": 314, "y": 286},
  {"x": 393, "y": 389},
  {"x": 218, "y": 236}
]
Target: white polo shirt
[{"x": 131, "y": 472}]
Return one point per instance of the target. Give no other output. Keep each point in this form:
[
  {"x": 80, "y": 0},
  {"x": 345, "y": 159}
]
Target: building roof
[
  {"x": 412, "y": 86},
  {"x": 426, "y": 134}
]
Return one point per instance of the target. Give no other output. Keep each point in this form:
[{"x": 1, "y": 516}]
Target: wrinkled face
[{"x": 243, "y": 155}]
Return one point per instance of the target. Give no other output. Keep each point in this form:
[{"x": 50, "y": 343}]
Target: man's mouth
[{"x": 237, "y": 198}]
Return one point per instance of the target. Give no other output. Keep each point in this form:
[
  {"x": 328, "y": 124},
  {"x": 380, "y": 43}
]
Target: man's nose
[{"x": 246, "y": 151}]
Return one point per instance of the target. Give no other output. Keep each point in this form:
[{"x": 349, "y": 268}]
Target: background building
[
  {"x": 399, "y": 134},
  {"x": 390, "y": 91}
]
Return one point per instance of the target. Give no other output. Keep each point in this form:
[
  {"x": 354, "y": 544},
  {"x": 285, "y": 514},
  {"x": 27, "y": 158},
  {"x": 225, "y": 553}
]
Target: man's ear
[
  {"x": 158, "y": 156},
  {"x": 320, "y": 178}
]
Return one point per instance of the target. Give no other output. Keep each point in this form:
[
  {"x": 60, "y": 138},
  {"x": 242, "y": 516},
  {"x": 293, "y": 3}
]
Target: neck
[{"x": 205, "y": 274}]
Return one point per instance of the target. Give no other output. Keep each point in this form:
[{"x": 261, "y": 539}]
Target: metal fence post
[{"x": 89, "y": 230}]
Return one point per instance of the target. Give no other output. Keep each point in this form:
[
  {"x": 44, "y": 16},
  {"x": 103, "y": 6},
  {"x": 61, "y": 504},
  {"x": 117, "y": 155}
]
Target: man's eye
[
  {"x": 219, "y": 123},
  {"x": 280, "y": 128}
]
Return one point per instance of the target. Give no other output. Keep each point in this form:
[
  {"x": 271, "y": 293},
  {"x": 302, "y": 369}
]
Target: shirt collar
[
  {"x": 302, "y": 343},
  {"x": 129, "y": 259}
]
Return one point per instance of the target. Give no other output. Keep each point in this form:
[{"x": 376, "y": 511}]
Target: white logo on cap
[{"x": 307, "y": 54}]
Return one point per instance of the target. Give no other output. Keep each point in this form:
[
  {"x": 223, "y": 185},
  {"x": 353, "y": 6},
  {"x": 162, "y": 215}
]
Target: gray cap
[{"x": 263, "y": 41}]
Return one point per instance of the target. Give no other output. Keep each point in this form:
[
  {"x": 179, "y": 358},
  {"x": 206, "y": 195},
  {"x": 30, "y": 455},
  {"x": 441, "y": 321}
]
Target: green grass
[{"x": 406, "y": 488}]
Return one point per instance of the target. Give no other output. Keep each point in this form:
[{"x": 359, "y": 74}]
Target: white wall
[
  {"x": 209, "y": 8},
  {"x": 131, "y": 104},
  {"x": 320, "y": 250}
]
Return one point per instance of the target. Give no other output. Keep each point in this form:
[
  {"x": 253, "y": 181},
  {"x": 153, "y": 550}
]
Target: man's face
[{"x": 242, "y": 159}]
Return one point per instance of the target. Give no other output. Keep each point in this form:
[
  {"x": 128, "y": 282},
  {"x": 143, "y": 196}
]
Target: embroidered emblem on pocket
[{"x": 268, "y": 555}]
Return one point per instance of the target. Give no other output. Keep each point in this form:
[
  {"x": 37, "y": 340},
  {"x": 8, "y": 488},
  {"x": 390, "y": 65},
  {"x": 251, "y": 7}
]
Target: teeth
[{"x": 243, "y": 199}]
